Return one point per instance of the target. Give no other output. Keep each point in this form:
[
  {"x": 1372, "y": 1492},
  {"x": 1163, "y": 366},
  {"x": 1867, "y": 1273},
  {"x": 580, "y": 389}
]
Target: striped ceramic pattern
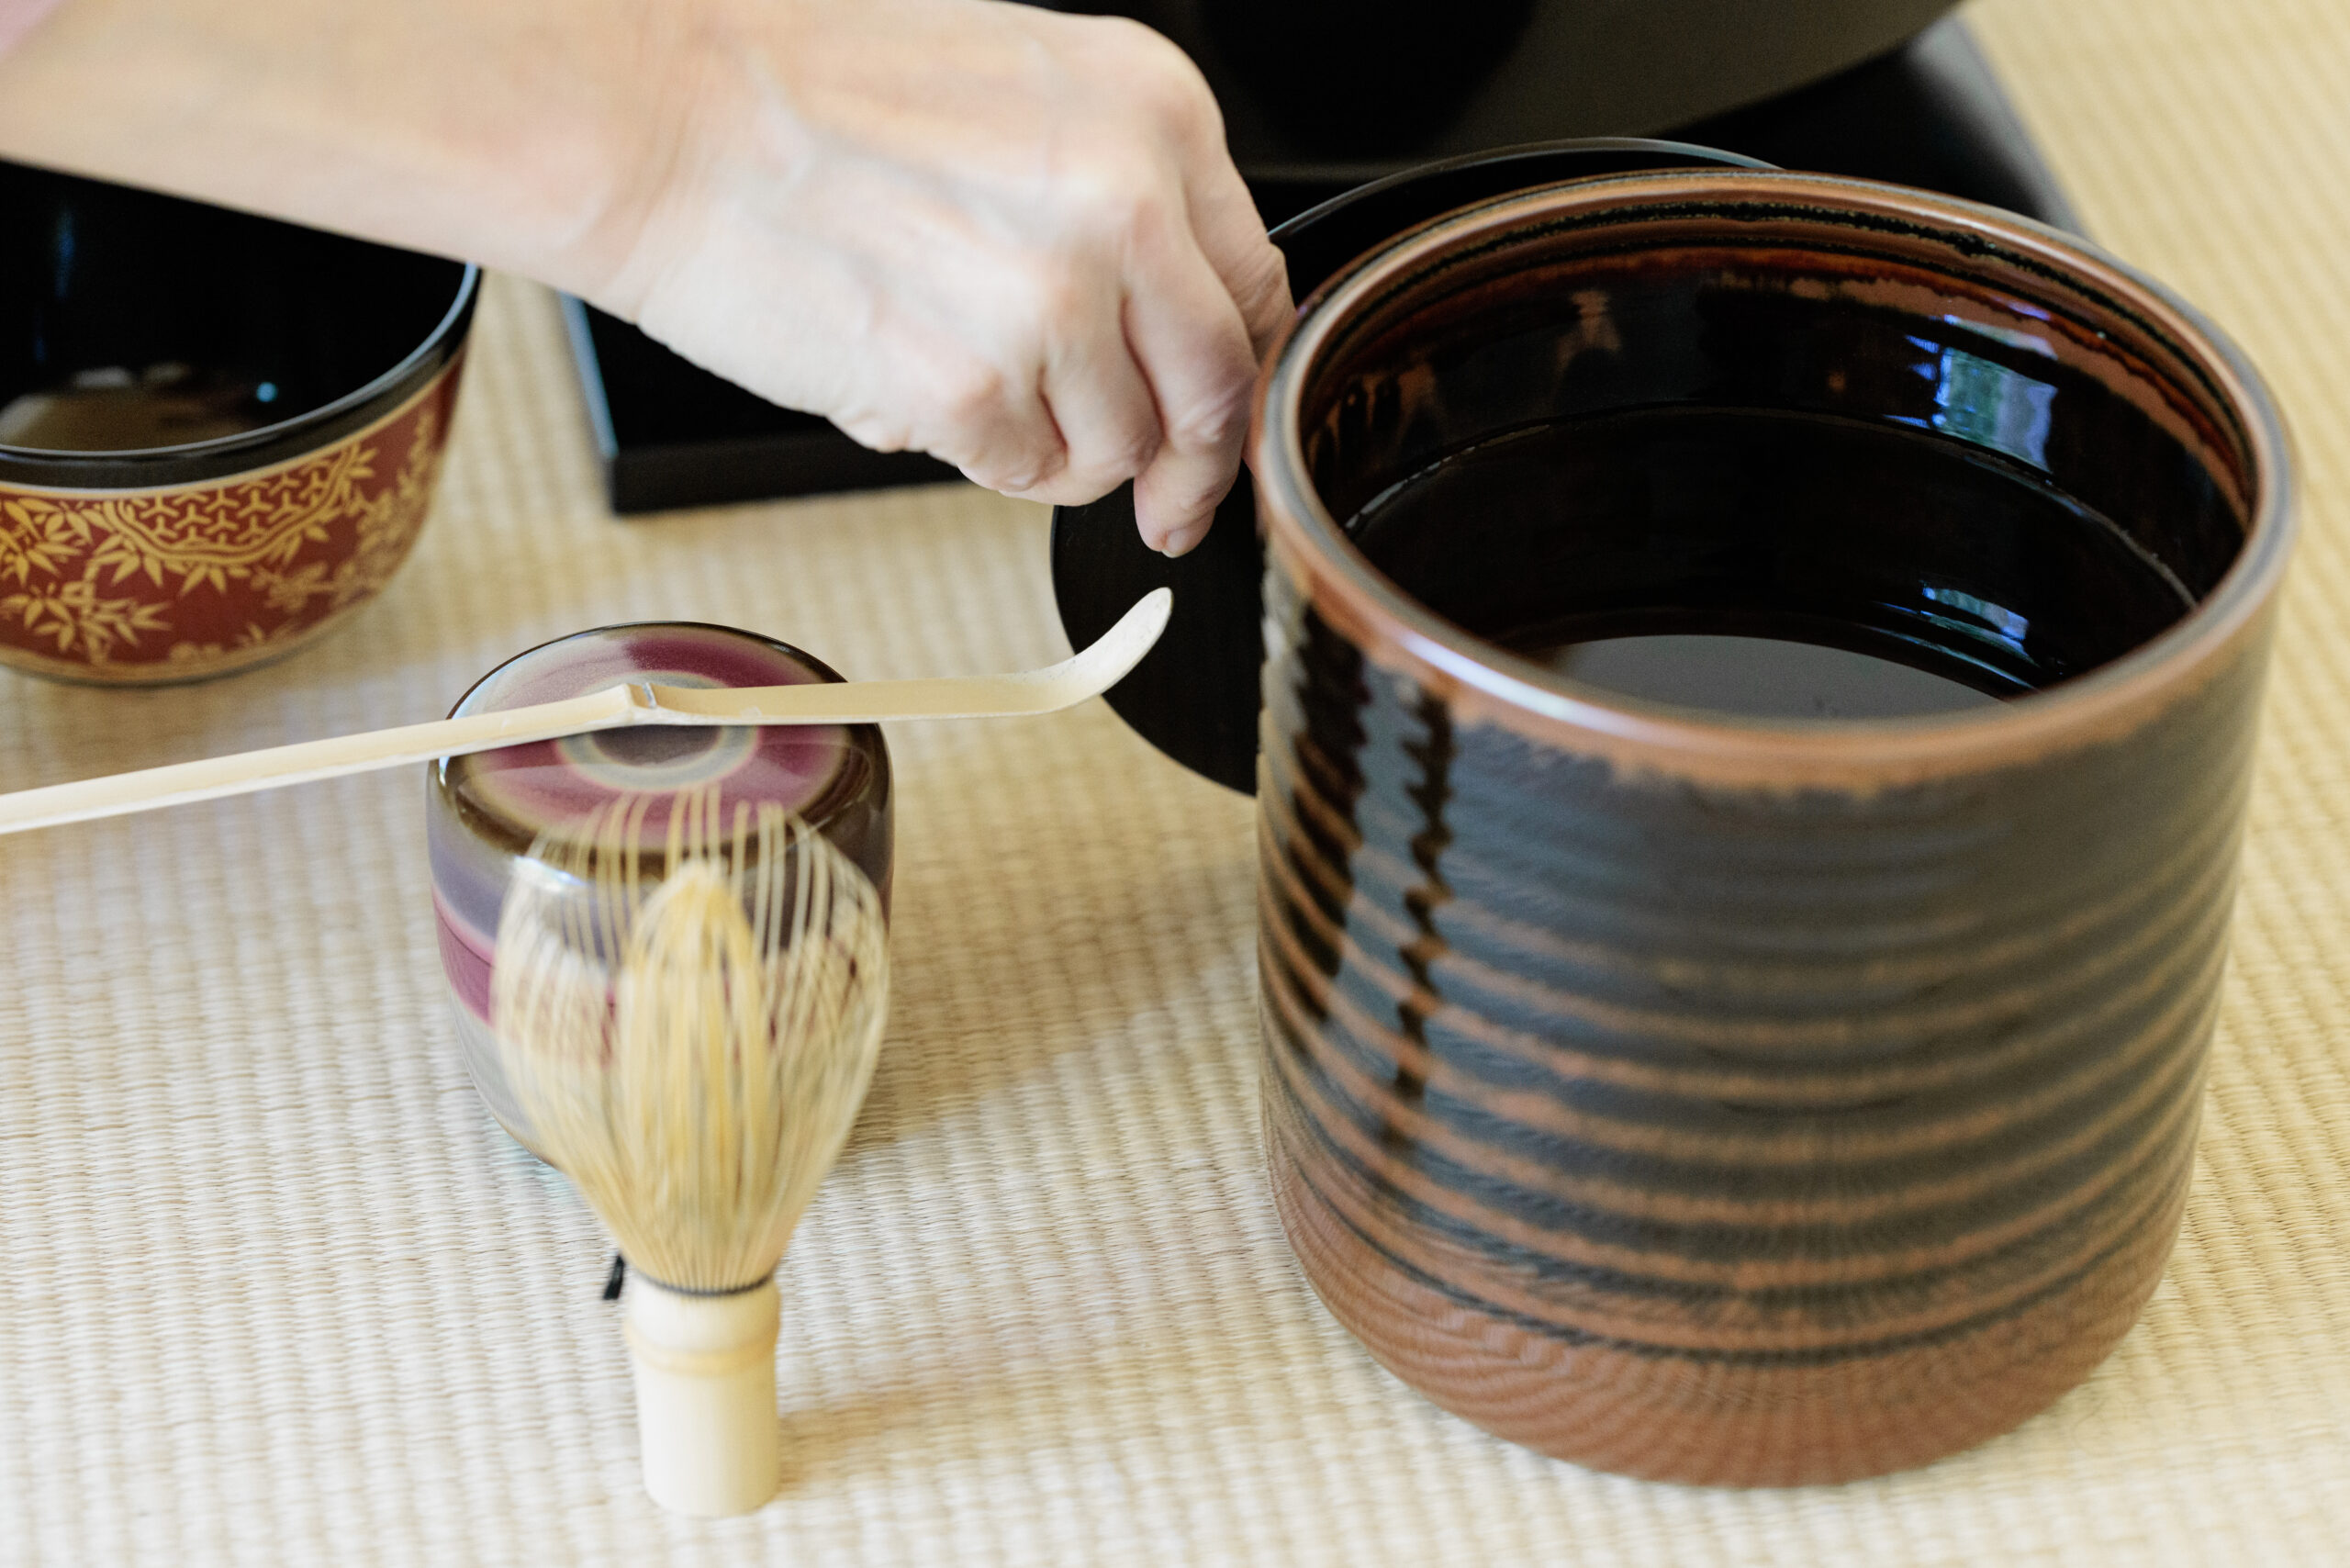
[{"x": 1720, "y": 1133}]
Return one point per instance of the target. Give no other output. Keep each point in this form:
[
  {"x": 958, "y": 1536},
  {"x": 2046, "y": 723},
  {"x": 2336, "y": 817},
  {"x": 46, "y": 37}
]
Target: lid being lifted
[{"x": 1195, "y": 695}]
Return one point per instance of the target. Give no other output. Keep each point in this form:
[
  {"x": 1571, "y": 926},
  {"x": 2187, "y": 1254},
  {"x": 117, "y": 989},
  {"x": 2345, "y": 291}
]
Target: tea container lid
[{"x": 485, "y": 811}]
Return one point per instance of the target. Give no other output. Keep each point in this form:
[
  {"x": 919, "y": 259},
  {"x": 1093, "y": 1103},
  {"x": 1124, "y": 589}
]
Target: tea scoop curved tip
[{"x": 1087, "y": 673}]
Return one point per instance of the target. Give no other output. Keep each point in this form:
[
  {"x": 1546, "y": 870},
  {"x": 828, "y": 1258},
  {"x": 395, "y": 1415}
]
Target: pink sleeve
[{"x": 18, "y": 17}]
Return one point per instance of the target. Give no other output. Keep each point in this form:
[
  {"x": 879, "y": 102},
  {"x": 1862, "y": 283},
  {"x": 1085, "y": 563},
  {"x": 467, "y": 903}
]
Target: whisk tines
[
  {"x": 689, "y": 1034},
  {"x": 691, "y": 1030}
]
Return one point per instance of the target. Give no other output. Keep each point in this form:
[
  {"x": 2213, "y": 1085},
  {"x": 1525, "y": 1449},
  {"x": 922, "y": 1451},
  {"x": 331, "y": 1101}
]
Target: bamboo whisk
[{"x": 690, "y": 1049}]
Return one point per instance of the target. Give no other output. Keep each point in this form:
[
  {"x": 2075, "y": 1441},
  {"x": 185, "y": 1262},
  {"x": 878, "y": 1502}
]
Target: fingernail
[{"x": 1179, "y": 541}]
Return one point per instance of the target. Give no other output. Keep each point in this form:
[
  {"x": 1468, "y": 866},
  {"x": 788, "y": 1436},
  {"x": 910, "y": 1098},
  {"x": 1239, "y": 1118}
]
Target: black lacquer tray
[{"x": 671, "y": 434}]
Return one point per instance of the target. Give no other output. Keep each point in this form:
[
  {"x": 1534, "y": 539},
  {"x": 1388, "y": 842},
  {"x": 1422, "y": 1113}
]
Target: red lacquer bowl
[{"x": 219, "y": 435}]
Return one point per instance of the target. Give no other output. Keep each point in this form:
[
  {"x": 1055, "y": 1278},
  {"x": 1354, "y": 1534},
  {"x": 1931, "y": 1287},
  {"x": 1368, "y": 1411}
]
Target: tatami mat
[{"x": 274, "y": 1290}]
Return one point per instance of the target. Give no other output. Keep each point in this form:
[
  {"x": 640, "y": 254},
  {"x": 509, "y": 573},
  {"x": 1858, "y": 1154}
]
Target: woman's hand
[{"x": 1006, "y": 235}]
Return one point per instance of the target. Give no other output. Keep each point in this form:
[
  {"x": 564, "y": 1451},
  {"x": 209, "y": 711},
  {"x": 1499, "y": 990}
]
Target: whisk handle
[{"x": 704, "y": 1370}]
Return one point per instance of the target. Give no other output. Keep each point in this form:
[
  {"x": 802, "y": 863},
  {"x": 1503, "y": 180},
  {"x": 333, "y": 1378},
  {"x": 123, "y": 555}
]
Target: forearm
[
  {"x": 511, "y": 132},
  {"x": 1004, "y": 235}
]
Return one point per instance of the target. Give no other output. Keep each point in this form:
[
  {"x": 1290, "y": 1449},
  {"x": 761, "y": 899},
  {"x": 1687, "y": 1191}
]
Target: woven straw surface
[{"x": 273, "y": 1289}]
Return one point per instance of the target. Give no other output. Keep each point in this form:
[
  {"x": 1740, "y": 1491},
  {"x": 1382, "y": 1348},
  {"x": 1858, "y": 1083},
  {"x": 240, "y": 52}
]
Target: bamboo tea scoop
[{"x": 1046, "y": 691}]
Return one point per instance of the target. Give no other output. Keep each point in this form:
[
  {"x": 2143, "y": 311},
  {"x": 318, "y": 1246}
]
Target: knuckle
[
  {"x": 1015, "y": 471},
  {"x": 1130, "y": 454},
  {"x": 1057, "y": 292},
  {"x": 1156, "y": 78},
  {"x": 967, "y": 396},
  {"x": 1147, "y": 214},
  {"x": 1213, "y": 420},
  {"x": 1115, "y": 196},
  {"x": 1193, "y": 492},
  {"x": 1104, "y": 467},
  {"x": 1041, "y": 469},
  {"x": 1205, "y": 490},
  {"x": 876, "y": 432},
  {"x": 1262, "y": 288},
  {"x": 1073, "y": 490},
  {"x": 1176, "y": 90},
  {"x": 1141, "y": 46}
]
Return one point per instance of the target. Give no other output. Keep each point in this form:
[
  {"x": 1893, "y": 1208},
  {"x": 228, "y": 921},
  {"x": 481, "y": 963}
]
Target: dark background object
[
  {"x": 1346, "y": 80},
  {"x": 1931, "y": 115},
  {"x": 1927, "y": 113},
  {"x": 672, "y": 434},
  {"x": 1349, "y": 89}
]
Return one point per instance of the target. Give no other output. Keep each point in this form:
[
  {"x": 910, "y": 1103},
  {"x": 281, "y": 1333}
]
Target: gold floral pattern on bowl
[{"x": 183, "y": 581}]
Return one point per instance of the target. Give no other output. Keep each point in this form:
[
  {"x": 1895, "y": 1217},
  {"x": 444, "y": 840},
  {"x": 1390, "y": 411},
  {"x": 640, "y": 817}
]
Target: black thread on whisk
[{"x": 617, "y": 1278}]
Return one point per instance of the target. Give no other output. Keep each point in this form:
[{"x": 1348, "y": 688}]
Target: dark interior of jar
[
  {"x": 129, "y": 320},
  {"x": 1576, "y": 439}
]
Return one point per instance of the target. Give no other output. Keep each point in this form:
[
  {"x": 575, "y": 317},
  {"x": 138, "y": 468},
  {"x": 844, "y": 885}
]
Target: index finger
[
  {"x": 1185, "y": 332},
  {"x": 1231, "y": 235}
]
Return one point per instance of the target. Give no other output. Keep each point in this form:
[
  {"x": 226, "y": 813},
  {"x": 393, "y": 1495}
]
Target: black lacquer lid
[{"x": 1195, "y": 696}]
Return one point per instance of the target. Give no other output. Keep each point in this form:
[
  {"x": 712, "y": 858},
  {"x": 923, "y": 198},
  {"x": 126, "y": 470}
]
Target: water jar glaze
[{"x": 1736, "y": 1102}]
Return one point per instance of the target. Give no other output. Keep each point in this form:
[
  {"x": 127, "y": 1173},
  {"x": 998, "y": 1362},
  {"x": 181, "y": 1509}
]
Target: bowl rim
[
  {"x": 1484, "y": 682},
  {"x": 222, "y": 457}
]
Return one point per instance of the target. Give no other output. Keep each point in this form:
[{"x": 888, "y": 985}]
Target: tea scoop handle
[{"x": 1028, "y": 692}]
